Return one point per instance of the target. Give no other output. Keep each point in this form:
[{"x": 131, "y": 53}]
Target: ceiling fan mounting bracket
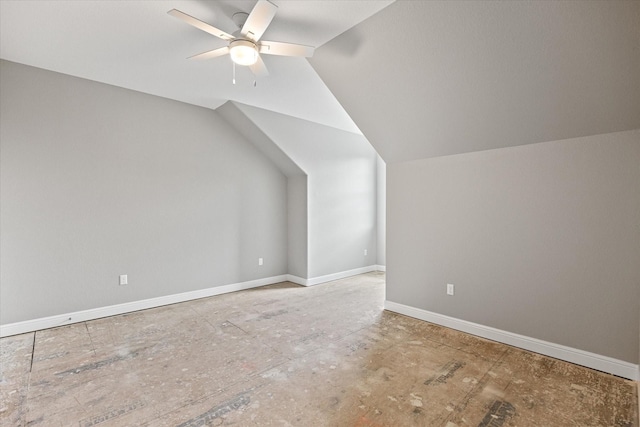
[{"x": 239, "y": 18}]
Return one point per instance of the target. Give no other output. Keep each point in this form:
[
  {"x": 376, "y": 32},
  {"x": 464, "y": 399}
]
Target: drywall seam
[
  {"x": 128, "y": 307},
  {"x": 573, "y": 355}
]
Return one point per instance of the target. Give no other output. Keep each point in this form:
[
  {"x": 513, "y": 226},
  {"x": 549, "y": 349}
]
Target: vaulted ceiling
[
  {"x": 134, "y": 44},
  {"x": 426, "y": 79},
  {"x": 418, "y": 78}
]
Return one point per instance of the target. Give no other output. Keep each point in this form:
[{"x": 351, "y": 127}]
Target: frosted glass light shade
[{"x": 243, "y": 52}]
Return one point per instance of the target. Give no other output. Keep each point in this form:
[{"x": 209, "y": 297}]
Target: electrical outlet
[
  {"x": 450, "y": 289},
  {"x": 260, "y": 261},
  {"x": 365, "y": 252},
  {"x": 124, "y": 280}
]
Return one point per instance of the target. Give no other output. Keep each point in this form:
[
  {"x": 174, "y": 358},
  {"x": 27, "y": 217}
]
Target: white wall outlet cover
[
  {"x": 450, "y": 289},
  {"x": 123, "y": 279},
  {"x": 260, "y": 261},
  {"x": 365, "y": 252}
]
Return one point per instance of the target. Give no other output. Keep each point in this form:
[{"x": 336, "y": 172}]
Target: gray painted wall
[
  {"x": 99, "y": 181},
  {"x": 541, "y": 240},
  {"x": 381, "y": 210},
  {"x": 297, "y": 214},
  {"x": 341, "y": 189},
  {"x": 297, "y": 236}
]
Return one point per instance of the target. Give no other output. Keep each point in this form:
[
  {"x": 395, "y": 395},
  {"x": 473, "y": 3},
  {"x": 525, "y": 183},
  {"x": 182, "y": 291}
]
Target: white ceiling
[
  {"x": 136, "y": 45},
  {"x": 434, "y": 78}
]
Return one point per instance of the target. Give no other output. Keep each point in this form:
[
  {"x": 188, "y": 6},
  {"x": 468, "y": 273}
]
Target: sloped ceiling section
[
  {"x": 262, "y": 142},
  {"x": 427, "y": 79},
  {"x": 134, "y": 44}
]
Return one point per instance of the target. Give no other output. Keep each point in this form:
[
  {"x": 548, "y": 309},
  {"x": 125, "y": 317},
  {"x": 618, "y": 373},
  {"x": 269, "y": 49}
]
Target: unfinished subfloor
[{"x": 285, "y": 355}]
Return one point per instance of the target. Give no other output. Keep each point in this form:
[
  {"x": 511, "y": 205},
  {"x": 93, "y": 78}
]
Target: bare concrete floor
[{"x": 286, "y": 355}]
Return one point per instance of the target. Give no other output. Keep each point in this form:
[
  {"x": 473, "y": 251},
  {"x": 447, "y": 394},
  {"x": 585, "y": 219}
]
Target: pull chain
[{"x": 233, "y": 79}]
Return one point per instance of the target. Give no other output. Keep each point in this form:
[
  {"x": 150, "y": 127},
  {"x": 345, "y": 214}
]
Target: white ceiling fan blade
[
  {"x": 259, "y": 69},
  {"x": 259, "y": 19},
  {"x": 211, "y": 53},
  {"x": 285, "y": 49},
  {"x": 200, "y": 25}
]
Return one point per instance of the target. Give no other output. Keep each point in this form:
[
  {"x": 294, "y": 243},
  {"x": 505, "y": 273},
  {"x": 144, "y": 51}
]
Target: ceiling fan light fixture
[{"x": 243, "y": 52}]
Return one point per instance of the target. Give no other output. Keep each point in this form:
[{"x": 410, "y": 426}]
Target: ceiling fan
[{"x": 245, "y": 45}]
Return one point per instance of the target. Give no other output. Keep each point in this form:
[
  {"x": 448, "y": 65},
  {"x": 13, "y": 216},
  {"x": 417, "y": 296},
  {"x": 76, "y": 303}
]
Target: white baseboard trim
[
  {"x": 128, "y": 307},
  {"x": 341, "y": 275},
  {"x": 334, "y": 276},
  {"x": 297, "y": 280},
  {"x": 569, "y": 354}
]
